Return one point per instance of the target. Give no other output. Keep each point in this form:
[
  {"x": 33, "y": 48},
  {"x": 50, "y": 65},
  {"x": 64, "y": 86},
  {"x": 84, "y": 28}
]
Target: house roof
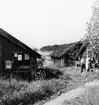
[
  {"x": 19, "y": 43},
  {"x": 82, "y": 49},
  {"x": 63, "y": 50}
]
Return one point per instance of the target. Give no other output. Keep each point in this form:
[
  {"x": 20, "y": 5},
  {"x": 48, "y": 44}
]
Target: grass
[
  {"x": 91, "y": 97},
  {"x": 25, "y": 93},
  {"x": 78, "y": 78}
]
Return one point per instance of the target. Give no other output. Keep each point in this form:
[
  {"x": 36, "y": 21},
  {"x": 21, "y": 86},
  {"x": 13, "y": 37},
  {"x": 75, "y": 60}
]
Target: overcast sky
[{"x": 45, "y": 22}]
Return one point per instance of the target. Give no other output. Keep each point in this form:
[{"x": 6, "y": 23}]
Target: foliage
[
  {"x": 35, "y": 49},
  {"x": 56, "y": 47},
  {"x": 40, "y": 62},
  {"x": 49, "y": 48},
  {"x": 92, "y": 31},
  {"x": 24, "y": 93}
]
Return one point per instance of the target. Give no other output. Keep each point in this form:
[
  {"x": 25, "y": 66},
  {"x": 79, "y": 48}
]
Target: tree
[
  {"x": 40, "y": 62},
  {"x": 92, "y": 31},
  {"x": 35, "y": 49}
]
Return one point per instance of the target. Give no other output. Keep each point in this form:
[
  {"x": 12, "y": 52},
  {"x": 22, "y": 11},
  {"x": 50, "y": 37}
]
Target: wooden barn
[
  {"x": 82, "y": 53},
  {"x": 86, "y": 51},
  {"x": 15, "y": 55},
  {"x": 65, "y": 56}
]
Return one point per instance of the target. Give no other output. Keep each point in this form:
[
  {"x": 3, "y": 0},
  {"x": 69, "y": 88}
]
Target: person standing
[
  {"x": 82, "y": 64},
  {"x": 87, "y": 64}
]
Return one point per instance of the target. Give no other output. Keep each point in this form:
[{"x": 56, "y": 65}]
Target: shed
[
  {"x": 65, "y": 56},
  {"x": 13, "y": 50}
]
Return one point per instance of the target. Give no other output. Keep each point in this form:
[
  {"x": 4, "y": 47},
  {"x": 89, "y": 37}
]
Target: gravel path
[{"x": 72, "y": 94}]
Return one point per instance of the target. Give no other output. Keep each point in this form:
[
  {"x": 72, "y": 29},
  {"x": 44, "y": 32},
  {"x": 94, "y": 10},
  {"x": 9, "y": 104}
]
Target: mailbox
[{"x": 8, "y": 64}]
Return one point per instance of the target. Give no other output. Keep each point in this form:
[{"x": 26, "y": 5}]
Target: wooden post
[
  {"x": 87, "y": 52},
  {"x": 92, "y": 55}
]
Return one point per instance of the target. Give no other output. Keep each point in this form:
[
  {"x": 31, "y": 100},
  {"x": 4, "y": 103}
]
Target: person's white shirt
[
  {"x": 82, "y": 60},
  {"x": 87, "y": 63}
]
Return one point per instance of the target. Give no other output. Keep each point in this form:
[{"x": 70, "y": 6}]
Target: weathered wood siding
[{"x": 6, "y": 49}]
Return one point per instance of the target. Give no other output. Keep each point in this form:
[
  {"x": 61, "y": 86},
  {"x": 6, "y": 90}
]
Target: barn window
[
  {"x": 19, "y": 57},
  {"x": 26, "y": 57},
  {"x": 15, "y": 54},
  {"x": 20, "y": 60}
]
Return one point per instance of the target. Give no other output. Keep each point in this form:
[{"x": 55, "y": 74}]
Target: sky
[{"x": 45, "y": 22}]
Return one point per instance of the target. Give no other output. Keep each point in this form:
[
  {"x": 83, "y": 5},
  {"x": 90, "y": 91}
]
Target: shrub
[{"x": 24, "y": 93}]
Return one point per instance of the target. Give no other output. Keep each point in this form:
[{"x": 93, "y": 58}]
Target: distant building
[
  {"x": 65, "y": 56},
  {"x": 82, "y": 51},
  {"x": 86, "y": 51}
]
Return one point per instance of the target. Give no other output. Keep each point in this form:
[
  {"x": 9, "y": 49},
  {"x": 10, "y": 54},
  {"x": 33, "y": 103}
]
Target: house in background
[
  {"x": 82, "y": 53},
  {"x": 86, "y": 51},
  {"x": 65, "y": 56},
  {"x": 16, "y": 55}
]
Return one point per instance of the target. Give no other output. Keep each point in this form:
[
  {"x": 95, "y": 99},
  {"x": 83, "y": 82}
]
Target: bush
[{"x": 24, "y": 93}]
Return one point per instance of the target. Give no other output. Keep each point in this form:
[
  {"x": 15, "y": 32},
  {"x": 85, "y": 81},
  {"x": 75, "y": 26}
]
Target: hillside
[
  {"x": 55, "y": 47},
  {"x": 49, "y": 48}
]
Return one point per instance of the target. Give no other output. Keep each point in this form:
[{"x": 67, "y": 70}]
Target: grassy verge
[
  {"x": 91, "y": 97},
  {"x": 78, "y": 78}
]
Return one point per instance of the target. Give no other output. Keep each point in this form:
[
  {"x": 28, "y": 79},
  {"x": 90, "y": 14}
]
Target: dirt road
[{"x": 72, "y": 94}]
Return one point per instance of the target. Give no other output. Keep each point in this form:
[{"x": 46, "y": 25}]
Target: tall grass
[{"x": 24, "y": 93}]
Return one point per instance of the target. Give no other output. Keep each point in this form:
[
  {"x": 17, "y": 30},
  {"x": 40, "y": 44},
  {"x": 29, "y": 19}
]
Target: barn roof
[
  {"x": 19, "y": 43},
  {"x": 81, "y": 50},
  {"x": 63, "y": 50}
]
